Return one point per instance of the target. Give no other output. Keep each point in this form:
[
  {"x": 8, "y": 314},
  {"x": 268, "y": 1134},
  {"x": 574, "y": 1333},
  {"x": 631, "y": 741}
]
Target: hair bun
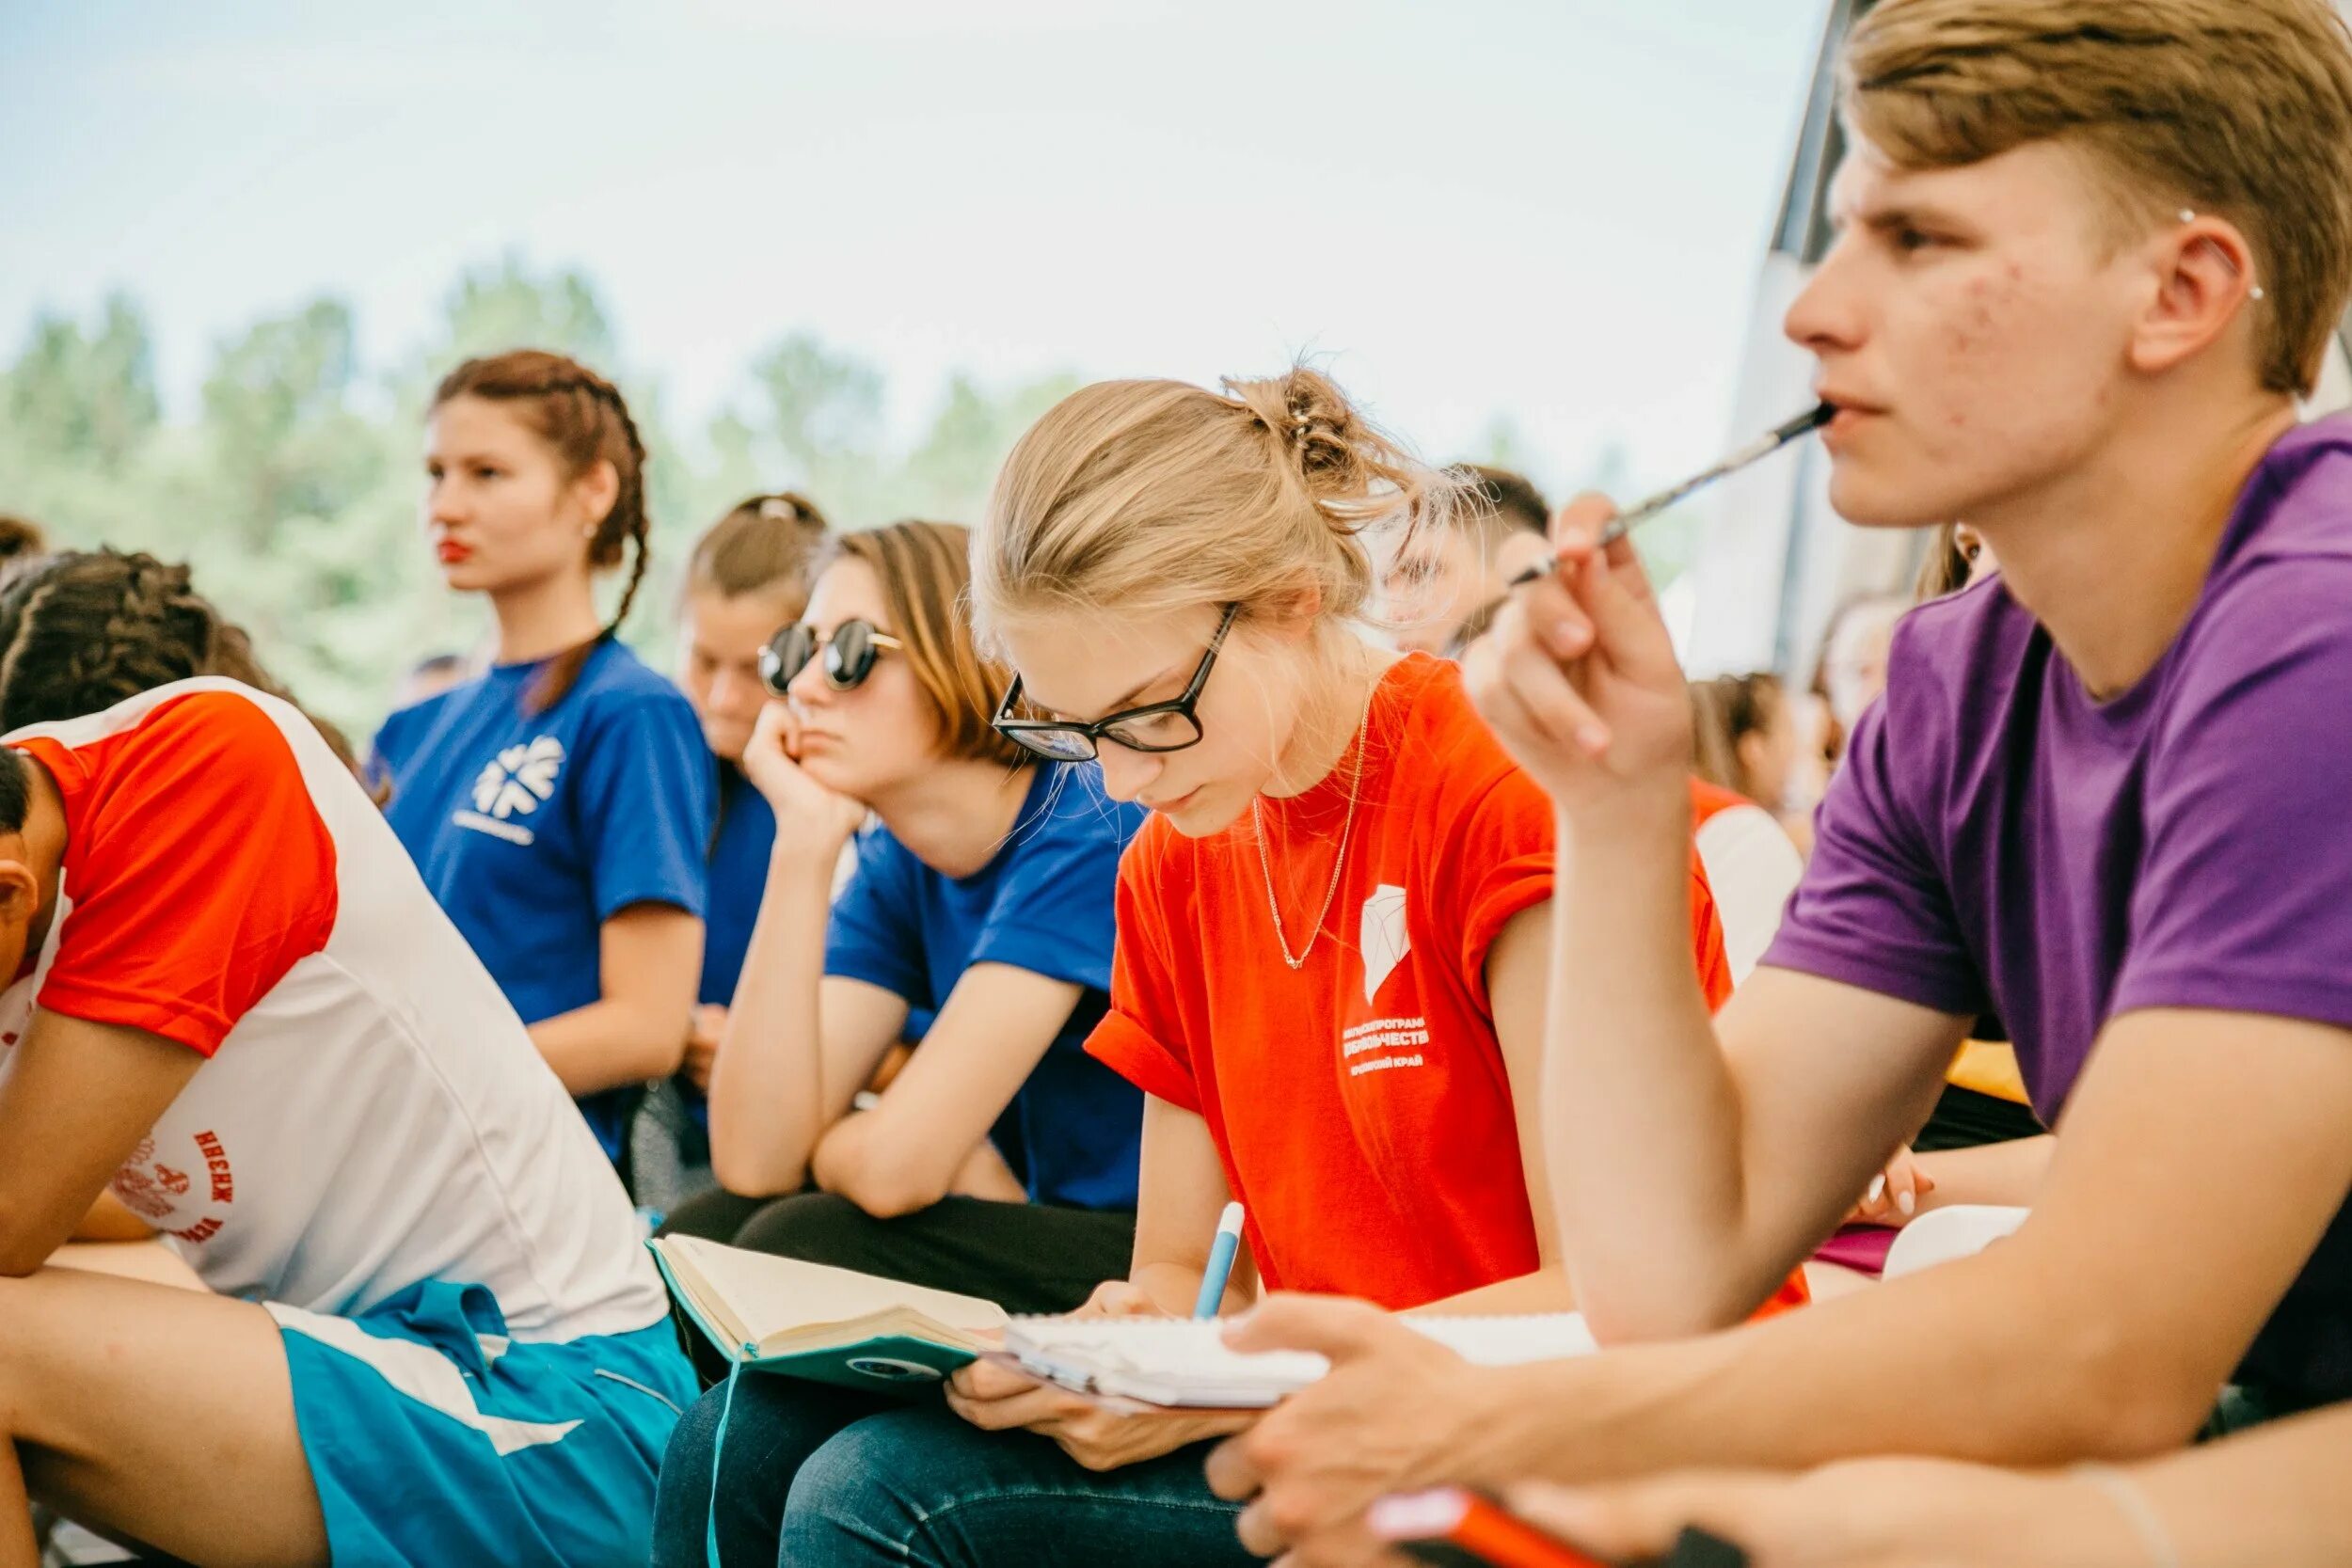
[
  {"x": 1356, "y": 475},
  {"x": 1315, "y": 426}
]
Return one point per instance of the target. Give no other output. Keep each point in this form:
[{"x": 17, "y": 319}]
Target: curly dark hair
[{"x": 84, "y": 629}]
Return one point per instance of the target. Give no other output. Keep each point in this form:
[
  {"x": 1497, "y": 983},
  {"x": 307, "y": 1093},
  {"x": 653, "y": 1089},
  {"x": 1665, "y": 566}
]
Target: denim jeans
[{"x": 823, "y": 1478}]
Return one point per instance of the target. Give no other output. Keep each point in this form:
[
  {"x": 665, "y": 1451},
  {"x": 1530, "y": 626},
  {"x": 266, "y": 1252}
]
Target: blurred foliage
[
  {"x": 293, "y": 488},
  {"x": 293, "y": 491}
]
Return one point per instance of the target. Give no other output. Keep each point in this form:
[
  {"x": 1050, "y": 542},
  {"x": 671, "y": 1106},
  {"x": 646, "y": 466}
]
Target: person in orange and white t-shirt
[
  {"x": 1331, "y": 937},
  {"x": 430, "y": 1335}
]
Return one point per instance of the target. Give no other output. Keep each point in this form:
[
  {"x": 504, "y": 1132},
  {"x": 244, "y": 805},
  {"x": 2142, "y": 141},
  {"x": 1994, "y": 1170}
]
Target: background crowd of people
[{"x": 1939, "y": 1053}]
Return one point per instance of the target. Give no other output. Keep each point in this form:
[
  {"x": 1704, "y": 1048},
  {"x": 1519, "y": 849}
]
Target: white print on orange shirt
[
  {"x": 194, "y": 1190},
  {"x": 1384, "y": 1033},
  {"x": 1382, "y": 937}
]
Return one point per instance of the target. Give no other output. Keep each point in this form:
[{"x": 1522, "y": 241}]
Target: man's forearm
[
  {"x": 1989, "y": 1358},
  {"x": 2272, "y": 1498},
  {"x": 1642, "y": 1127}
]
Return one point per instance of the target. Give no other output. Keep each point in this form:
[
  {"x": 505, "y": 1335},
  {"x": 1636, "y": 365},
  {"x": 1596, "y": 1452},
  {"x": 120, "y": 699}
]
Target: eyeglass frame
[
  {"x": 1097, "y": 731},
  {"x": 878, "y": 641}
]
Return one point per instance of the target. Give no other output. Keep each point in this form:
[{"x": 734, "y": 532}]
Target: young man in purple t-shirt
[{"x": 2089, "y": 256}]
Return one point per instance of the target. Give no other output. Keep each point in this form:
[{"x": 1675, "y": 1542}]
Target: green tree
[
  {"x": 818, "y": 420},
  {"x": 816, "y": 423},
  {"x": 293, "y": 483},
  {"x": 504, "y": 305},
  {"x": 308, "y": 537},
  {"x": 86, "y": 397},
  {"x": 79, "y": 427},
  {"x": 948, "y": 473}
]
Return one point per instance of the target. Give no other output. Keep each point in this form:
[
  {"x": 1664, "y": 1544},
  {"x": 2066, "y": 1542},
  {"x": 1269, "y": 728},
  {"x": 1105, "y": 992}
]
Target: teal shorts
[{"x": 437, "y": 1441}]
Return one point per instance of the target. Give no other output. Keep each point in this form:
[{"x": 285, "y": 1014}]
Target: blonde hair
[
  {"x": 1152, "y": 495},
  {"x": 924, "y": 569},
  {"x": 2242, "y": 108}
]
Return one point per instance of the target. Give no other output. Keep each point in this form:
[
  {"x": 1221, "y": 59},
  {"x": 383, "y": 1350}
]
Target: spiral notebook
[{"x": 1183, "y": 1362}]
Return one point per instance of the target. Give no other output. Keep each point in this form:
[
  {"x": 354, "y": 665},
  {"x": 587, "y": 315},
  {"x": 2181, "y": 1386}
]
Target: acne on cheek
[{"x": 1985, "y": 303}]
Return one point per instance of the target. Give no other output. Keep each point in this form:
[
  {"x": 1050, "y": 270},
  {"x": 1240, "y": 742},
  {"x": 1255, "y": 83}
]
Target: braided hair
[
  {"x": 584, "y": 417},
  {"x": 83, "y": 630}
]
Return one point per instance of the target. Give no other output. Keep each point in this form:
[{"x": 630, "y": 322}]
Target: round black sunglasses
[{"x": 849, "y": 649}]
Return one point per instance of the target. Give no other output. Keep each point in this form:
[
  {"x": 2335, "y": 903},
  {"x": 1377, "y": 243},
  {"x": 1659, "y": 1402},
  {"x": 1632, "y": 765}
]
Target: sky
[{"x": 1551, "y": 210}]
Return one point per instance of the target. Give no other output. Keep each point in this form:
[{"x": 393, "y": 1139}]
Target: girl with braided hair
[
  {"x": 560, "y": 805},
  {"x": 427, "y": 1334}
]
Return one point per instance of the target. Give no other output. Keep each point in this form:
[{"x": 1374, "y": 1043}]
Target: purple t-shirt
[{"x": 1998, "y": 842}]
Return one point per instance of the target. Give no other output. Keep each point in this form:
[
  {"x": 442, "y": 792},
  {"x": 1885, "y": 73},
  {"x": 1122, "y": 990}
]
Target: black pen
[{"x": 1763, "y": 447}]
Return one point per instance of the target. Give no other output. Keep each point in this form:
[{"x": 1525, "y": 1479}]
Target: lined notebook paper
[{"x": 1183, "y": 1363}]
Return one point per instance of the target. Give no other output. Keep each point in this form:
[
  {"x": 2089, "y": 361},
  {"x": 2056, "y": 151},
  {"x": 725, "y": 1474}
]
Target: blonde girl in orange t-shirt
[{"x": 1332, "y": 938}]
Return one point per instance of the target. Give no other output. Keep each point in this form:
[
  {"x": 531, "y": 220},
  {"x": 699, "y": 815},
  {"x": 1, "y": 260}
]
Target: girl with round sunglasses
[
  {"x": 560, "y": 805},
  {"x": 1001, "y": 1161}
]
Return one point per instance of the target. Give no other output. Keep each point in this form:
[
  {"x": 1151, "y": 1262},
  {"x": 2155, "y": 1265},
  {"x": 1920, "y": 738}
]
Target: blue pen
[{"x": 1221, "y": 1267}]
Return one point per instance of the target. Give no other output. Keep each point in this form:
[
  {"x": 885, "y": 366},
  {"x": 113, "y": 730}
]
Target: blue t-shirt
[
  {"x": 1044, "y": 904},
  {"x": 738, "y": 875},
  {"x": 532, "y": 830}
]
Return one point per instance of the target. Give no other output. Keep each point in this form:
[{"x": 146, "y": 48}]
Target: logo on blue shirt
[{"x": 512, "y": 784}]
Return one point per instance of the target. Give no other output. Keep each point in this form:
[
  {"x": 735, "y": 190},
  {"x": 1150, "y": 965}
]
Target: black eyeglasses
[
  {"x": 849, "y": 649},
  {"x": 1156, "y": 727}
]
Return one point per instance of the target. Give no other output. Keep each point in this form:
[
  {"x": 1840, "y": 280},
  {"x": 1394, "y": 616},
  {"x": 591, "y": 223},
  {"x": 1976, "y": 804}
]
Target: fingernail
[
  {"x": 1878, "y": 1189},
  {"x": 1906, "y": 1202},
  {"x": 1592, "y": 737},
  {"x": 1569, "y": 634}
]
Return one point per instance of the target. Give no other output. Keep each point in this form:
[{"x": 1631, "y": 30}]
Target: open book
[
  {"x": 1183, "y": 1363},
  {"x": 824, "y": 1325}
]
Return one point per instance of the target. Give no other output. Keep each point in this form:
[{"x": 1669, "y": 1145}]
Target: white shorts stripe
[{"x": 421, "y": 1373}]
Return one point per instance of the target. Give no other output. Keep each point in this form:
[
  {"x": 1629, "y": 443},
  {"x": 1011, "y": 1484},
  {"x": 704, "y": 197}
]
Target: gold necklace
[{"x": 1257, "y": 823}]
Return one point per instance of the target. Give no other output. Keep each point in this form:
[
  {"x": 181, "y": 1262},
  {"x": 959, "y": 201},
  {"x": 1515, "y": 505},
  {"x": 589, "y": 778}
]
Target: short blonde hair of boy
[
  {"x": 1148, "y": 496},
  {"x": 2241, "y": 109}
]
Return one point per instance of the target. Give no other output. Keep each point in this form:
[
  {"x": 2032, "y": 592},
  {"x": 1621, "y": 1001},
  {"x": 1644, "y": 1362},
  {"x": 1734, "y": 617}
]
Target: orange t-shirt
[{"x": 1360, "y": 1105}]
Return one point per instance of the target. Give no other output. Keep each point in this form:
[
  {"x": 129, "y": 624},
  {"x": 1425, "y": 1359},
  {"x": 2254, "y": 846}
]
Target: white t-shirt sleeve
[{"x": 1752, "y": 868}]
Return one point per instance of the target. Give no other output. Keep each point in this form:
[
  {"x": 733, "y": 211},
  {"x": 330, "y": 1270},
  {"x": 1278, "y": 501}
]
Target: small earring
[
  {"x": 2188, "y": 215},
  {"x": 2258, "y": 291}
]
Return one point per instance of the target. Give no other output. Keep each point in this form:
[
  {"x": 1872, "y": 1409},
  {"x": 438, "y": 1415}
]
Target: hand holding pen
[
  {"x": 1223, "y": 1247},
  {"x": 1451, "y": 1528},
  {"x": 1579, "y": 678},
  {"x": 1755, "y": 451}
]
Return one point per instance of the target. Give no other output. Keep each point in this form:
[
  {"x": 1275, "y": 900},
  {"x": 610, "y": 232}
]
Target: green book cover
[{"x": 823, "y": 1324}]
